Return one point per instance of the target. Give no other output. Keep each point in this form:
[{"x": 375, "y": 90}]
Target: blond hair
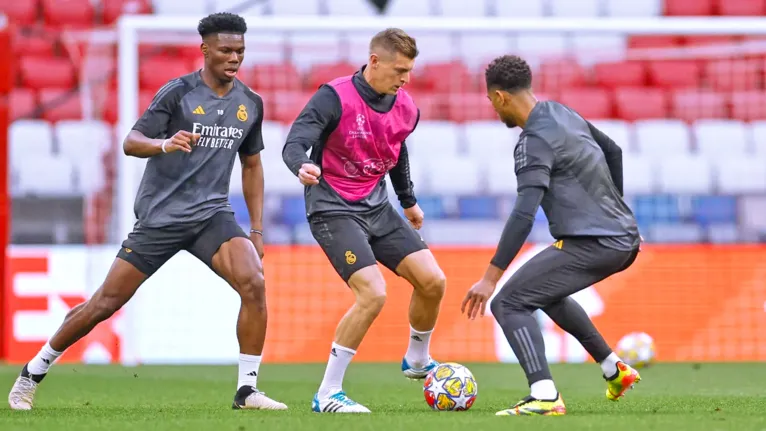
[{"x": 395, "y": 40}]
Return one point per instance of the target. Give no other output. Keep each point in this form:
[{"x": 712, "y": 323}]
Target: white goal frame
[{"x": 130, "y": 25}]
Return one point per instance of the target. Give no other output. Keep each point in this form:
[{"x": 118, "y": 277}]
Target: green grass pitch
[{"x": 103, "y": 398}]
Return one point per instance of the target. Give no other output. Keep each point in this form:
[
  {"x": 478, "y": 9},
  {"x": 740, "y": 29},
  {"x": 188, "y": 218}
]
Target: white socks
[
  {"x": 417, "y": 355},
  {"x": 248, "y": 370},
  {"x": 340, "y": 357},
  {"x": 544, "y": 390},
  {"x": 40, "y": 364},
  {"x": 609, "y": 365}
]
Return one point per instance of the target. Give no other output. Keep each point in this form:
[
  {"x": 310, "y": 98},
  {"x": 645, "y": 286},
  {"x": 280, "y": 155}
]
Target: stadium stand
[{"x": 710, "y": 114}]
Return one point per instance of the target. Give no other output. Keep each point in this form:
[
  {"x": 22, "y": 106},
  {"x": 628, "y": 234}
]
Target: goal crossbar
[{"x": 129, "y": 27}]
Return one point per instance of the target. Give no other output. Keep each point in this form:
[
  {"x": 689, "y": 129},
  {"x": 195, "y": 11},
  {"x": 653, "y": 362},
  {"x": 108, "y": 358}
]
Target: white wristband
[{"x": 163, "y": 145}]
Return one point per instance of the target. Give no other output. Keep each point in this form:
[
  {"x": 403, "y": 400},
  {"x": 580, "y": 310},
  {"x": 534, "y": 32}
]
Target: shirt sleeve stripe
[{"x": 164, "y": 91}]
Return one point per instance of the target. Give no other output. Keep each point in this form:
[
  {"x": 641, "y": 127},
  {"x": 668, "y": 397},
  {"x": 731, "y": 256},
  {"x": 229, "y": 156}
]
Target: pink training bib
[{"x": 366, "y": 143}]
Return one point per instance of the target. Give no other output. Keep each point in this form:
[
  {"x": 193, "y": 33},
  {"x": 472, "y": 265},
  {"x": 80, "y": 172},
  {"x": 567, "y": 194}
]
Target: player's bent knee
[
  {"x": 369, "y": 287},
  {"x": 434, "y": 286},
  {"x": 102, "y": 307},
  {"x": 251, "y": 286},
  {"x": 372, "y": 301}
]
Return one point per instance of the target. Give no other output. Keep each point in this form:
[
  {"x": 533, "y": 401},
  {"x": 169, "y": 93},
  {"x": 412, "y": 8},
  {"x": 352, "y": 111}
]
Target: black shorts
[
  {"x": 356, "y": 240},
  {"x": 566, "y": 267},
  {"x": 149, "y": 248}
]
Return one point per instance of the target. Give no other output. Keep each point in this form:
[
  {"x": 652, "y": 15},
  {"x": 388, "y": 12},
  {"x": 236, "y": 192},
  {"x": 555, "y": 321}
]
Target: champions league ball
[
  {"x": 450, "y": 387},
  {"x": 636, "y": 349}
]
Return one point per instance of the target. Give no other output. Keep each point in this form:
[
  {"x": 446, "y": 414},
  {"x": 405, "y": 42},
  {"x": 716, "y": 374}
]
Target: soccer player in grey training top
[
  {"x": 575, "y": 172},
  {"x": 191, "y": 134}
]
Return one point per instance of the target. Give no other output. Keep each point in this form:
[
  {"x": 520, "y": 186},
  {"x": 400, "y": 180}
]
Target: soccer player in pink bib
[{"x": 356, "y": 127}]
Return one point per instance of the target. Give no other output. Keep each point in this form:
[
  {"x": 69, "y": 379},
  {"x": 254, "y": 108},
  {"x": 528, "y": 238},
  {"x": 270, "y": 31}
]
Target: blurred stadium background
[{"x": 688, "y": 108}]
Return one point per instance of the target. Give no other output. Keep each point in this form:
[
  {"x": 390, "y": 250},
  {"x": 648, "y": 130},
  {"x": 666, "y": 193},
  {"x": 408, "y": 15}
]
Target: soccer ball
[
  {"x": 450, "y": 387},
  {"x": 636, "y": 349}
]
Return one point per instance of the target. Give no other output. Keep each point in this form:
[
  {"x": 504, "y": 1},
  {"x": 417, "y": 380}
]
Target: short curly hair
[
  {"x": 509, "y": 73},
  {"x": 222, "y": 22}
]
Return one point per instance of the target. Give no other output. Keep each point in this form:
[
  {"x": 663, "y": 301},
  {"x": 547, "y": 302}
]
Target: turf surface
[{"x": 670, "y": 397}]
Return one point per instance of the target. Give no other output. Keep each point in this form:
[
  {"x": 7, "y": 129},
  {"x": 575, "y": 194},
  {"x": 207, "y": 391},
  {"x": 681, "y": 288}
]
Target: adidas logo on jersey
[{"x": 199, "y": 111}]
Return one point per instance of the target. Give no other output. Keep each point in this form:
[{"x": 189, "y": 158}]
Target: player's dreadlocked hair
[
  {"x": 509, "y": 73},
  {"x": 222, "y": 22}
]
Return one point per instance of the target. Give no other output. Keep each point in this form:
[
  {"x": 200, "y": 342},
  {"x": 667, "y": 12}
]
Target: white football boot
[
  {"x": 22, "y": 394},
  {"x": 337, "y": 403},
  {"x": 247, "y": 397}
]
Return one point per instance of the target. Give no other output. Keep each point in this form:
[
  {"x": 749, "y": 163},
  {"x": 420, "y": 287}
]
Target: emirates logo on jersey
[{"x": 216, "y": 136}]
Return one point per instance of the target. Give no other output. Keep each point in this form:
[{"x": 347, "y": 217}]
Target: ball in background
[
  {"x": 637, "y": 349},
  {"x": 450, "y": 387}
]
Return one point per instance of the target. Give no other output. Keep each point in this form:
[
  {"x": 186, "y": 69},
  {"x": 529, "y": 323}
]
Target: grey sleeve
[
  {"x": 534, "y": 157},
  {"x": 316, "y": 121},
  {"x": 400, "y": 175},
  {"x": 612, "y": 153},
  {"x": 253, "y": 143},
  {"x": 155, "y": 120},
  {"x": 400, "y": 179},
  {"x": 519, "y": 225}
]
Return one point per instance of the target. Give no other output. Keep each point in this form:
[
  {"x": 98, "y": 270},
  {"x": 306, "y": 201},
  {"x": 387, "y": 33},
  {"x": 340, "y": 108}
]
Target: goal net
[{"x": 683, "y": 97}]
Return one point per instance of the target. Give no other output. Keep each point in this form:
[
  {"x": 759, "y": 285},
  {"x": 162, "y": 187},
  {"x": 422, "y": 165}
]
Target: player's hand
[
  {"x": 476, "y": 299},
  {"x": 257, "y": 240},
  {"x": 181, "y": 141},
  {"x": 309, "y": 174},
  {"x": 415, "y": 215}
]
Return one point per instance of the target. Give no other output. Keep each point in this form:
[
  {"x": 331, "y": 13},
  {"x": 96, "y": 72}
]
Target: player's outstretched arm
[
  {"x": 534, "y": 159},
  {"x": 136, "y": 144},
  {"x": 316, "y": 121},
  {"x": 612, "y": 153},
  {"x": 515, "y": 233},
  {"x": 149, "y": 136}
]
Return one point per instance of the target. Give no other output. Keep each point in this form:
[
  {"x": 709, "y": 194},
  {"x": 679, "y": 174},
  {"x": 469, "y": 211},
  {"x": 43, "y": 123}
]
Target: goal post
[{"x": 130, "y": 28}]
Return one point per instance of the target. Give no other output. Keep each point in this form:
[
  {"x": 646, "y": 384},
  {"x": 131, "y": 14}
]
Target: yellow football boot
[
  {"x": 625, "y": 378},
  {"x": 533, "y": 407}
]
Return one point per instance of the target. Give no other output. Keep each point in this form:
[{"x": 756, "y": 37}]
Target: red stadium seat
[
  {"x": 620, "y": 74},
  {"x": 674, "y": 73},
  {"x": 589, "y": 102},
  {"x": 462, "y": 107},
  {"x": 286, "y": 105},
  {"x": 60, "y": 105},
  {"x": 741, "y": 7},
  {"x": 23, "y": 103},
  {"x": 274, "y": 77},
  {"x": 636, "y": 103},
  {"x": 451, "y": 77},
  {"x": 110, "y": 110},
  {"x": 654, "y": 41},
  {"x": 709, "y": 40},
  {"x": 733, "y": 75},
  {"x": 689, "y": 7},
  {"x": 20, "y": 12},
  {"x": 691, "y": 105},
  {"x": 559, "y": 75},
  {"x": 35, "y": 43},
  {"x": 112, "y": 9},
  {"x": 47, "y": 72},
  {"x": 432, "y": 106},
  {"x": 324, "y": 73},
  {"x": 748, "y": 105},
  {"x": 70, "y": 13},
  {"x": 154, "y": 72}
]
